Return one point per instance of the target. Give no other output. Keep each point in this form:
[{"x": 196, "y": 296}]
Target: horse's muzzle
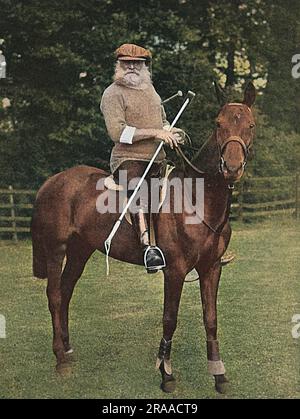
[{"x": 232, "y": 173}]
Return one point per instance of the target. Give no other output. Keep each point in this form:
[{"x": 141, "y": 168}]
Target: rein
[
  {"x": 221, "y": 147},
  {"x": 222, "y": 163},
  {"x": 188, "y": 161},
  {"x": 219, "y": 228}
]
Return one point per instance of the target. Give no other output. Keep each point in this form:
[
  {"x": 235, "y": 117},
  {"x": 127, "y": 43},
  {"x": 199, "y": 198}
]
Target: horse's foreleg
[
  {"x": 172, "y": 294},
  {"x": 76, "y": 260},
  {"x": 54, "y": 267},
  {"x": 209, "y": 284}
]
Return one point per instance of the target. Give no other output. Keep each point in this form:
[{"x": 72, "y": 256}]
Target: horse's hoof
[
  {"x": 64, "y": 369},
  {"x": 221, "y": 384},
  {"x": 168, "y": 385}
]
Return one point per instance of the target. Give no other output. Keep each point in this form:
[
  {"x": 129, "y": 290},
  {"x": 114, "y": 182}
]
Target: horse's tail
[{"x": 39, "y": 262}]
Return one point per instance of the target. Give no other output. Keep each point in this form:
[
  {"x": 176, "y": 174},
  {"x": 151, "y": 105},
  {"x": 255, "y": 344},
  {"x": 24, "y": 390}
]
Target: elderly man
[{"x": 136, "y": 122}]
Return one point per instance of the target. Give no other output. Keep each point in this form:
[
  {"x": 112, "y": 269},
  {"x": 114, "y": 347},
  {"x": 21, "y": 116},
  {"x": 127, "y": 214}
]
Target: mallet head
[{"x": 191, "y": 95}]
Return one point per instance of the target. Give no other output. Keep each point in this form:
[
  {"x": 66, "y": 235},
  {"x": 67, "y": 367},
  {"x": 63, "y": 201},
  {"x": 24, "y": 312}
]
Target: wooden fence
[
  {"x": 15, "y": 212},
  {"x": 263, "y": 197},
  {"x": 253, "y": 198}
]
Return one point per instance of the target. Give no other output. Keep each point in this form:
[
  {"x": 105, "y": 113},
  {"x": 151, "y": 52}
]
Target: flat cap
[{"x": 132, "y": 52}]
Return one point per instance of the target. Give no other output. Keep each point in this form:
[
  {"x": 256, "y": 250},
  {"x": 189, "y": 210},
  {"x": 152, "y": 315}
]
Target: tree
[
  {"x": 281, "y": 97},
  {"x": 60, "y": 58}
]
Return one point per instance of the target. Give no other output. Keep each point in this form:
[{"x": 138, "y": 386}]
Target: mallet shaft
[{"x": 179, "y": 93}]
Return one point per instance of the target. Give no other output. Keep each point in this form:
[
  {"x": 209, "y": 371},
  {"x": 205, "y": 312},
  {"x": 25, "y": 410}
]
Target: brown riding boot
[{"x": 153, "y": 257}]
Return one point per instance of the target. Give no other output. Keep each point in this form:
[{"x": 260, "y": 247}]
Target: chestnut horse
[{"x": 66, "y": 224}]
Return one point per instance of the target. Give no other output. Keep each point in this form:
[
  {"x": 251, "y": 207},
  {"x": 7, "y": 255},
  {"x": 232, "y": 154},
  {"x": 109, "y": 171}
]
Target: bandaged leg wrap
[
  {"x": 164, "y": 356},
  {"x": 215, "y": 365}
]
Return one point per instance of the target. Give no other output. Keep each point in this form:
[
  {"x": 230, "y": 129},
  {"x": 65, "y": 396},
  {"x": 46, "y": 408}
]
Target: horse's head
[{"x": 235, "y": 133}]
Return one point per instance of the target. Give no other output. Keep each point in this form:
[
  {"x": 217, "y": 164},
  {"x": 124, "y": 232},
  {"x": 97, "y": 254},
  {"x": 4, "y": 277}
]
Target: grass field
[{"x": 116, "y": 326}]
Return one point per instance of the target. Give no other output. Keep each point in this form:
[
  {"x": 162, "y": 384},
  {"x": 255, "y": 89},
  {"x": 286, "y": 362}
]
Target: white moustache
[{"x": 132, "y": 72}]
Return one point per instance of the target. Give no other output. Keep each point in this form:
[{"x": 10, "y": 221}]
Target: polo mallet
[
  {"x": 189, "y": 97},
  {"x": 179, "y": 93}
]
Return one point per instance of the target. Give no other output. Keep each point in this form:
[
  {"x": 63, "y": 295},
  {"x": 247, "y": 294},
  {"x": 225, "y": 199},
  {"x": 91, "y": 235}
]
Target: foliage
[
  {"x": 60, "y": 59},
  {"x": 276, "y": 151},
  {"x": 281, "y": 98}
]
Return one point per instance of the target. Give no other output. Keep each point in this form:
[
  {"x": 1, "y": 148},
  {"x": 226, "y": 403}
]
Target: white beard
[
  {"x": 139, "y": 80},
  {"x": 132, "y": 79}
]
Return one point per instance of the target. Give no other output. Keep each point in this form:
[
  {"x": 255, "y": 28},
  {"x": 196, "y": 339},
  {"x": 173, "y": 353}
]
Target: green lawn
[{"x": 116, "y": 326}]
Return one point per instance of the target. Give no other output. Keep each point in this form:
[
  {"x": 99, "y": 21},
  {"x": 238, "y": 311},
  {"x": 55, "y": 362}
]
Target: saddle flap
[{"x": 164, "y": 177}]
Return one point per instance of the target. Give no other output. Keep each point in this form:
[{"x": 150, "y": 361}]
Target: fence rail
[
  {"x": 263, "y": 197},
  {"x": 11, "y": 211},
  {"x": 254, "y": 198}
]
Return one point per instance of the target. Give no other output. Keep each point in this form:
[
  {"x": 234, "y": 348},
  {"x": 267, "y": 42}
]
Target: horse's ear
[
  {"x": 249, "y": 94},
  {"x": 220, "y": 93}
]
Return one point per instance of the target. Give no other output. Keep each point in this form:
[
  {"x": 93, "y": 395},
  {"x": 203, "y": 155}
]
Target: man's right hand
[{"x": 167, "y": 137}]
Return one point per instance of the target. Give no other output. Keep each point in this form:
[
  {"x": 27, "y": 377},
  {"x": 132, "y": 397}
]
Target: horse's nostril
[{"x": 231, "y": 169}]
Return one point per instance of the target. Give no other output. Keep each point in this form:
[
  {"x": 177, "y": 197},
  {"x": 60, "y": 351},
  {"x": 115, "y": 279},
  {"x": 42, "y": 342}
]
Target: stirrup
[{"x": 154, "y": 269}]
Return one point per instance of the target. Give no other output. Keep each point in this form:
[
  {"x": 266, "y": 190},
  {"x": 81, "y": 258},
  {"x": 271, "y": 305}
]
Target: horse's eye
[
  {"x": 252, "y": 125},
  {"x": 218, "y": 123}
]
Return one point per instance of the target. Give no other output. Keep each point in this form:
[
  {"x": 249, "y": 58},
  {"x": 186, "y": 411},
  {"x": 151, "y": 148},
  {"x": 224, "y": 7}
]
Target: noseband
[{"x": 233, "y": 139}]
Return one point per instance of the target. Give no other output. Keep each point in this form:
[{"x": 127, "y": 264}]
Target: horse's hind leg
[
  {"x": 209, "y": 284},
  {"x": 172, "y": 293},
  {"x": 77, "y": 256},
  {"x": 55, "y": 256}
]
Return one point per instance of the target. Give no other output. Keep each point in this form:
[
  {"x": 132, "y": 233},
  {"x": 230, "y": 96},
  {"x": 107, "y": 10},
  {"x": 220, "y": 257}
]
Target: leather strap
[
  {"x": 234, "y": 139},
  {"x": 183, "y": 156},
  {"x": 152, "y": 239}
]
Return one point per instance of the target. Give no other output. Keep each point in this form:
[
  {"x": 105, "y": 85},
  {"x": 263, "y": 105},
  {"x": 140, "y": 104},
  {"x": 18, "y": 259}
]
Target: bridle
[
  {"x": 233, "y": 139},
  {"x": 221, "y": 148}
]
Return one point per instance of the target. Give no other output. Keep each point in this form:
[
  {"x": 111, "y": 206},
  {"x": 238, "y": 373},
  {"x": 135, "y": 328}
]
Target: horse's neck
[
  {"x": 208, "y": 157},
  {"x": 217, "y": 200},
  {"x": 217, "y": 196}
]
